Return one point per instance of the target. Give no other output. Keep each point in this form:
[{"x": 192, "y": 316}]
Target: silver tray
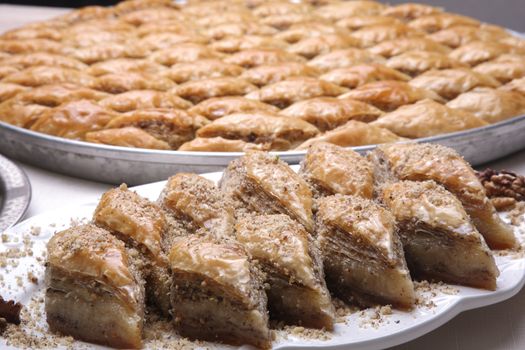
[
  {"x": 15, "y": 193},
  {"x": 134, "y": 166}
]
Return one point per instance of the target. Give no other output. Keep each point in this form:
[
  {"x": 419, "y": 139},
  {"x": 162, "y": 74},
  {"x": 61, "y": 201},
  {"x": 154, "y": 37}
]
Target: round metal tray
[
  {"x": 15, "y": 193},
  {"x": 138, "y": 166}
]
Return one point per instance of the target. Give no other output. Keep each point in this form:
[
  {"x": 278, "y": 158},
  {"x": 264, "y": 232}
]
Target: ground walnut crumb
[
  {"x": 517, "y": 215},
  {"x": 375, "y": 316},
  {"x": 343, "y": 310}
]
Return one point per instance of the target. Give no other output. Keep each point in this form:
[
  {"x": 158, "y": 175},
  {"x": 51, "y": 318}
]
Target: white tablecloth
[{"x": 497, "y": 327}]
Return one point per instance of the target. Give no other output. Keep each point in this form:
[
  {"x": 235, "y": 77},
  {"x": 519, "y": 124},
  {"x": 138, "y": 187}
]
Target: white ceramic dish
[{"x": 356, "y": 332}]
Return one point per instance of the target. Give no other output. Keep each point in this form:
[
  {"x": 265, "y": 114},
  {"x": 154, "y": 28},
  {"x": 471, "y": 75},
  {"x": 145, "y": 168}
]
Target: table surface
[{"x": 497, "y": 327}]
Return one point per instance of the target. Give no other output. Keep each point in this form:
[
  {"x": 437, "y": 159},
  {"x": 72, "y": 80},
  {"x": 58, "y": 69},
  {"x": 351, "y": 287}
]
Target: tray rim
[{"x": 165, "y": 156}]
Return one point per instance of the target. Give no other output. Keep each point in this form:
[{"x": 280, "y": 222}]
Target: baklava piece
[
  {"x": 360, "y": 74},
  {"x": 117, "y": 83},
  {"x": 125, "y": 65},
  {"x": 28, "y": 105},
  {"x": 218, "y": 107},
  {"x": 300, "y": 31},
  {"x": 354, "y": 133},
  {"x": 174, "y": 126},
  {"x": 199, "y": 204},
  {"x": 267, "y": 185},
  {"x": 197, "y": 91},
  {"x": 153, "y": 14},
  {"x": 30, "y": 46},
  {"x": 217, "y": 293},
  {"x": 279, "y": 133},
  {"x": 224, "y": 30},
  {"x": 103, "y": 51},
  {"x": 292, "y": 262},
  {"x": 477, "y": 52},
  {"x": 373, "y": 35},
  {"x": 273, "y": 73},
  {"x": 362, "y": 21},
  {"x": 427, "y": 118},
  {"x": 503, "y": 71},
  {"x": 457, "y": 36},
  {"x": 44, "y": 75},
  {"x": 344, "y": 58},
  {"x": 439, "y": 240},
  {"x": 43, "y": 59},
  {"x": 399, "y": 46},
  {"x": 162, "y": 41},
  {"x": 272, "y": 8},
  {"x": 517, "y": 85},
  {"x": 141, "y": 225},
  {"x": 388, "y": 95},
  {"x": 414, "y": 63},
  {"x": 257, "y": 57},
  {"x": 362, "y": 252},
  {"x": 144, "y": 99},
  {"x": 287, "y": 92},
  {"x": 410, "y": 11},
  {"x": 491, "y": 105},
  {"x": 17, "y": 112},
  {"x": 8, "y": 90},
  {"x": 238, "y": 43},
  {"x": 344, "y": 9},
  {"x": 127, "y": 137},
  {"x": 219, "y": 144},
  {"x": 327, "y": 113},
  {"x": 435, "y": 22},
  {"x": 202, "y": 69},
  {"x": 184, "y": 52},
  {"x": 449, "y": 83},
  {"x": 73, "y": 120},
  {"x": 315, "y": 46},
  {"x": 420, "y": 162},
  {"x": 94, "y": 288},
  {"x": 329, "y": 169}
]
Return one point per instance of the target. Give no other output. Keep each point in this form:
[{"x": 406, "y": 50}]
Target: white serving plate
[{"x": 356, "y": 332}]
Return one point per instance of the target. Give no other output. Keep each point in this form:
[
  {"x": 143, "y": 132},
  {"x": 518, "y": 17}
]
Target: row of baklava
[
  {"x": 148, "y": 54},
  {"x": 215, "y": 258}
]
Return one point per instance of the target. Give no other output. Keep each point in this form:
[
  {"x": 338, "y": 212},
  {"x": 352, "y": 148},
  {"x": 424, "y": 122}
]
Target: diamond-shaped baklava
[
  {"x": 419, "y": 162},
  {"x": 362, "y": 253},
  {"x": 217, "y": 292},
  {"x": 267, "y": 185},
  {"x": 291, "y": 260},
  {"x": 95, "y": 288},
  {"x": 142, "y": 225},
  {"x": 329, "y": 169},
  {"x": 438, "y": 237},
  {"x": 199, "y": 204}
]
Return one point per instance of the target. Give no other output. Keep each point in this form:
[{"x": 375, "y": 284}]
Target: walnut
[
  {"x": 503, "y": 203},
  {"x": 503, "y": 184}
]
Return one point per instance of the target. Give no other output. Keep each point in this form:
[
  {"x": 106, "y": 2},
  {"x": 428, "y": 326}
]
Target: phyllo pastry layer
[
  {"x": 329, "y": 169},
  {"x": 217, "y": 293},
  {"x": 419, "y": 162},
  {"x": 267, "y": 185},
  {"x": 292, "y": 262},
  {"x": 439, "y": 240},
  {"x": 362, "y": 253},
  {"x": 95, "y": 291}
]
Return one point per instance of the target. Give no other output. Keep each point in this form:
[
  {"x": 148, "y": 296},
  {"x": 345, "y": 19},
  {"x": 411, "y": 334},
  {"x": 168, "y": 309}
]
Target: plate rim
[
  {"x": 457, "y": 305},
  {"x": 24, "y": 192}
]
